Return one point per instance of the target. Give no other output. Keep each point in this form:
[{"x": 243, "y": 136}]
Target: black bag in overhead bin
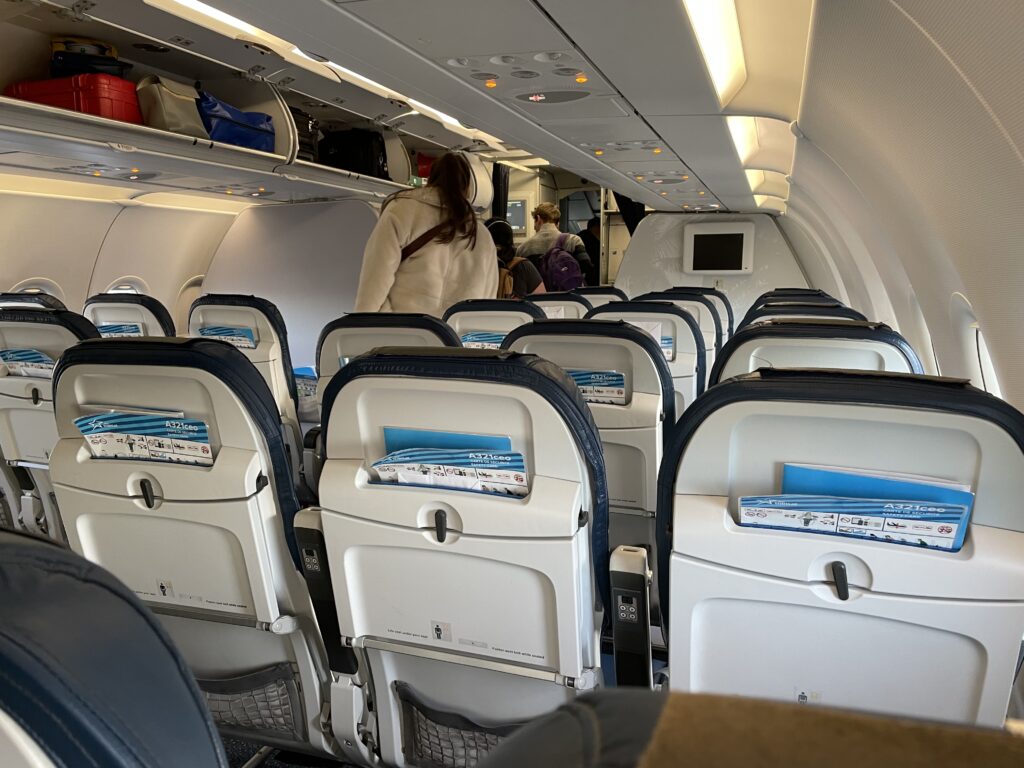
[
  {"x": 356, "y": 149},
  {"x": 308, "y": 128}
]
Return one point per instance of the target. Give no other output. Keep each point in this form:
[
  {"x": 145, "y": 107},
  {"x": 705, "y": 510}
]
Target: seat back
[
  {"x": 355, "y": 334},
  {"x": 90, "y": 677},
  {"x": 834, "y": 311},
  {"x": 484, "y": 323},
  {"x": 678, "y": 335},
  {"x": 29, "y": 300},
  {"x": 172, "y": 473},
  {"x": 504, "y": 627},
  {"x": 117, "y": 315},
  {"x": 623, "y": 376},
  {"x": 599, "y": 295},
  {"x": 255, "y": 327},
  {"x": 725, "y": 582},
  {"x": 784, "y": 343},
  {"x": 703, "y": 311},
  {"x": 721, "y": 302},
  {"x": 562, "y": 305}
]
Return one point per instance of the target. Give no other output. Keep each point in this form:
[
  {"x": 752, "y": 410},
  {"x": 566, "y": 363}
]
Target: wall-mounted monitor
[
  {"x": 516, "y": 215},
  {"x": 719, "y": 248}
]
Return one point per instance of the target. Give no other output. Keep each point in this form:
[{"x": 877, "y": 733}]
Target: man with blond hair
[{"x": 546, "y": 217}]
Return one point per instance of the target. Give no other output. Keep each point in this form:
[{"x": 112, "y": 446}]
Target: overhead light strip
[{"x": 717, "y": 29}]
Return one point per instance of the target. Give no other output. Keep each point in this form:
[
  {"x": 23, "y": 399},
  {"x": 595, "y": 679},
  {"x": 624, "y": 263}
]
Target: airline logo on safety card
[
  {"x": 601, "y": 386},
  {"x": 236, "y": 335},
  {"x": 119, "y": 330},
  {"x": 482, "y": 340},
  {"x": 497, "y": 472},
  {"x": 27, "y": 362},
  {"x": 147, "y": 437}
]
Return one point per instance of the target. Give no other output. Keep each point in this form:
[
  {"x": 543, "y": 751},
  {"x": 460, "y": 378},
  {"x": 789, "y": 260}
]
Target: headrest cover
[
  {"x": 88, "y": 672},
  {"x": 556, "y": 296},
  {"x": 158, "y": 310},
  {"x": 602, "y": 290},
  {"x": 811, "y": 310}
]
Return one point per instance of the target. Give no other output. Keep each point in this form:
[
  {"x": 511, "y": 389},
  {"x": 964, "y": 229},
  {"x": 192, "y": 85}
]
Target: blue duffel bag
[{"x": 224, "y": 123}]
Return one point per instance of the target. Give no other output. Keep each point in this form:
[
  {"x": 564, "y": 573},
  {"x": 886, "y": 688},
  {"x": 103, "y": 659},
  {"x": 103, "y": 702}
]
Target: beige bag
[{"x": 170, "y": 106}]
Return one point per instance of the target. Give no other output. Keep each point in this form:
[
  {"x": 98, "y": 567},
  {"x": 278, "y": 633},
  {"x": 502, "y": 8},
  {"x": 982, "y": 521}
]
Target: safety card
[
  {"x": 667, "y": 343},
  {"x": 236, "y": 335},
  {"x": 481, "y": 463},
  {"x": 305, "y": 386},
  {"x": 119, "y": 330},
  {"x": 27, "y": 362},
  {"x": 147, "y": 437},
  {"x": 927, "y": 524},
  {"x": 601, "y": 386},
  {"x": 482, "y": 340}
]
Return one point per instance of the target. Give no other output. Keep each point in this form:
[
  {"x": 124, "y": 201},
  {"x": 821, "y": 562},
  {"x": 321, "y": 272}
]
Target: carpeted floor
[{"x": 239, "y": 752}]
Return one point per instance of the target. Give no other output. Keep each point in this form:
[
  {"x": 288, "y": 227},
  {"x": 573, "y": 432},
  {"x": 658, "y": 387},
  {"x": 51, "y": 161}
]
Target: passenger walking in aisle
[
  {"x": 538, "y": 248},
  {"x": 517, "y": 277},
  {"x": 591, "y": 237},
  {"x": 429, "y": 250}
]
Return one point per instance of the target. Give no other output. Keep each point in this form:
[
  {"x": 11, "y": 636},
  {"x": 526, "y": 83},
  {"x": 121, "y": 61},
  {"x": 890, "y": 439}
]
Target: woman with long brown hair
[{"x": 428, "y": 250}]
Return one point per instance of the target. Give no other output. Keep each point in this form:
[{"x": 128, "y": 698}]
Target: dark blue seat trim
[
  {"x": 816, "y": 329},
  {"x": 221, "y": 360},
  {"x": 730, "y": 319},
  {"x": 800, "y": 385},
  {"x": 611, "y": 329},
  {"x": 663, "y": 308},
  {"x": 554, "y": 296},
  {"x": 74, "y": 323},
  {"x": 602, "y": 290},
  {"x": 672, "y": 294},
  {"x": 88, "y": 673},
  {"x": 387, "y": 320},
  {"x": 495, "y": 305},
  {"x": 792, "y": 294},
  {"x": 835, "y": 311},
  {"x": 159, "y": 311},
  {"x": 502, "y": 367},
  {"x": 45, "y": 300},
  {"x": 273, "y": 315}
]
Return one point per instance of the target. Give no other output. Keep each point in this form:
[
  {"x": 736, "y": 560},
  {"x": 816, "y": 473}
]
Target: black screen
[{"x": 716, "y": 253}]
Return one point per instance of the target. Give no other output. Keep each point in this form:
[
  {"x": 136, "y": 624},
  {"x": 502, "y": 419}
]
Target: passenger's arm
[
  {"x": 534, "y": 281},
  {"x": 581, "y": 255},
  {"x": 381, "y": 259}
]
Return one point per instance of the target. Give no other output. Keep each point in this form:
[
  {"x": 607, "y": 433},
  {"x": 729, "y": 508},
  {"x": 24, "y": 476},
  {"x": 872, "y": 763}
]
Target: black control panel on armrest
[
  {"x": 631, "y": 623},
  {"x": 317, "y": 572}
]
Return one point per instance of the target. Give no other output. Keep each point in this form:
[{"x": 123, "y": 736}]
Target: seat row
[{"x": 424, "y": 605}]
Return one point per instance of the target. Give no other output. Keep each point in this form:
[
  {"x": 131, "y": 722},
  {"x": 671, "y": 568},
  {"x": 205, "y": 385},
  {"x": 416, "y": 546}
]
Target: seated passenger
[
  {"x": 517, "y": 277},
  {"x": 539, "y": 248},
  {"x": 428, "y": 250}
]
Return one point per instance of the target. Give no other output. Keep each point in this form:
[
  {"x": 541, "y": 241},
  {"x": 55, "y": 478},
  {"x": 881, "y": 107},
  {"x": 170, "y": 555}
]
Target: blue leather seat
[{"x": 87, "y": 673}]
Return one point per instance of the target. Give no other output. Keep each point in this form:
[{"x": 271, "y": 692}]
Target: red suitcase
[{"x": 101, "y": 95}]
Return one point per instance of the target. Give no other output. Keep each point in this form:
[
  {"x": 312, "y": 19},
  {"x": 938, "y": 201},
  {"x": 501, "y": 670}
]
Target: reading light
[
  {"x": 743, "y": 130},
  {"x": 717, "y": 29},
  {"x": 657, "y": 150},
  {"x": 598, "y": 152},
  {"x": 581, "y": 78},
  {"x": 491, "y": 84},
  {"x": 639, "y": 178},
  {"x": 134, "y": 170},
  {"x": 701, "y": 193}
]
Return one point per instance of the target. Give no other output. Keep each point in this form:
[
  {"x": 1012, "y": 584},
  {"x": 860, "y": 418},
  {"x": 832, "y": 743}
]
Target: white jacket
[{"x": 437, "y": 275}]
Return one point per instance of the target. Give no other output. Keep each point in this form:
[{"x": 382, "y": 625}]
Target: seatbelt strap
[{"x": 422, "y": 240}]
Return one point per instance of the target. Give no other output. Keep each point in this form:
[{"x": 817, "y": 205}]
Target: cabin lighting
[
  {"x": 218, "y": 15},
  {"x": 743, "y": 130},
  {"x": 581, "y": 78},
  {"x": 717, "y": 29},
  {"x": 491, "y": 84},
  {"x": 598, "y": 152},
  {"x": 657, "y": 150}
]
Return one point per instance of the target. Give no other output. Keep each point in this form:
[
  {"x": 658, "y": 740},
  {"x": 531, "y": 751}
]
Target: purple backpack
[{"x": 559, "y": 268}]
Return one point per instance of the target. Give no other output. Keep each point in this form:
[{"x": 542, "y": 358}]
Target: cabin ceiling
[{"x": 647, "y": 108}]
